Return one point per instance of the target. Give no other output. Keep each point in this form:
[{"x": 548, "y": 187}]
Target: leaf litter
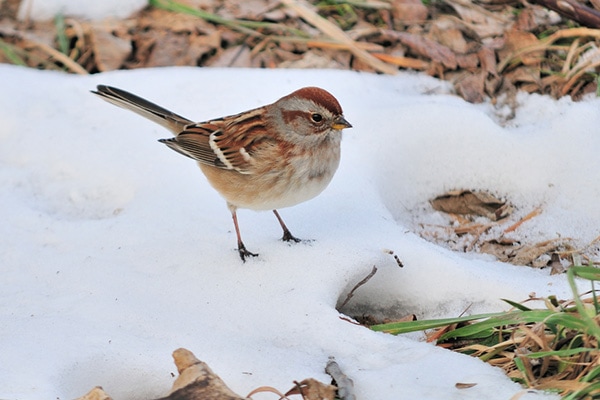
[
  {"x": 477, "y": 221},
  {"x": 488, "y": 49}
]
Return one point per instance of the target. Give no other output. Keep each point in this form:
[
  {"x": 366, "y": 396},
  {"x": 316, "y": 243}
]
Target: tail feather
[{"x": 173, "y": 122}]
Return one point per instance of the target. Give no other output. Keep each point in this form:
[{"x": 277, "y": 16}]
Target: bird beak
[{"x": 340, "y": 123}]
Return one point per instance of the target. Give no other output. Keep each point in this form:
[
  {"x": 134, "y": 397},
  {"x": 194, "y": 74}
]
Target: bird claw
[
  {"x": 288, "y": 237},
  {"x": 245, "y": 253}
]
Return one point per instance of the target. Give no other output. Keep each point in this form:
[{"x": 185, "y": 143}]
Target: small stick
[{"x": 359, "y": 284}]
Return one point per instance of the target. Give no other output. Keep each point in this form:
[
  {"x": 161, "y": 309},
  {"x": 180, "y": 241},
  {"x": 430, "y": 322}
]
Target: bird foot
[
  {"x": 288, "y": 237},
  {"x": 244, "y": 252}
]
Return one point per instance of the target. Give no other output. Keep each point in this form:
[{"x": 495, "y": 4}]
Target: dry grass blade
[
  {"x": 267, "y": 389},
  {"x": 28, "y": 41},
  {"x": 403, "y": 62},
  {"x": 526, "y": 218},
  {"x": 336, "y": 33},
  {"x": 58, "y": 56}
]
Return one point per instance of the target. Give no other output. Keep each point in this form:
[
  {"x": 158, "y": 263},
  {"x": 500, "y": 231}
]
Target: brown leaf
[
  {"x": 471, "y": 87},
  {"x": 409, "y": 11},
  {"x": 311, "y": 59},
  {"x": 161, "y": 20},
  {"x": 247, "y": 9},
  {"x": 236, "y": 56},
  {"x": 479, "y": 20},
  {"x": 472, "y": 203},
  {"x": 96, "y": 393},
  {"x": 460, "y": 385},
  {"x": 521, "y": 46},
  {"x": 509, "y": 250},
  {"x": 503, "y": 250},
  {"x": 170, "y": 48},
  {"x": 428, "y": 48},
  {"x": 524, "y": 75},
  {"x": 110, "y": 52},
  {"x": 470, "y": 62},
  {"x": 446, "y": 31},
  {"x": 197, "y": 381},
  {"x": 312, "y": 389}
]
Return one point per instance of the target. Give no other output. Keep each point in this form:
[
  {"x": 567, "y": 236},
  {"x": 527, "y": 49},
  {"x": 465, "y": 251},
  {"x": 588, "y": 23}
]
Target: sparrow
[{"x": 267, "y": 158}]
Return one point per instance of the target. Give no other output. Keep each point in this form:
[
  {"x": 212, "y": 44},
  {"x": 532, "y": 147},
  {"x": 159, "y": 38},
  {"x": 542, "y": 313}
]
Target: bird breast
[{"x": 294, "y": 176}]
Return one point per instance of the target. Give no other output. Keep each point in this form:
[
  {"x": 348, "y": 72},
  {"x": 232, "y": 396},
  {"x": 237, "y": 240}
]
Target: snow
[
  {"x": 115, "y": 250},
  {"x": 48, "y": 9}
]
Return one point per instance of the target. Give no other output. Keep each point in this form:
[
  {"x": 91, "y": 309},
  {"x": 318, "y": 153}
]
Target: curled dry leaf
[
  {"x": 312, "y": 389},
  {"x": 468, "y": 202},
  {"x": 460, "y": 385},
  {"x": 96, "y": 393},
  {"x": 196, "y": 381}
]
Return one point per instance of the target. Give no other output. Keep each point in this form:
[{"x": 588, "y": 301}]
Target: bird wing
[{"x": 229, "y": 143}]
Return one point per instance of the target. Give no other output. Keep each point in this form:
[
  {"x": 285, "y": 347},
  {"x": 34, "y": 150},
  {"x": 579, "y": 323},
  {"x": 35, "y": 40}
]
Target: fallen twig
[{"x": 359, "y": 284}]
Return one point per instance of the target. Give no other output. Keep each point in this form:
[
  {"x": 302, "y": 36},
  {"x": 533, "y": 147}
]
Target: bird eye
[{"x": 316, "y": 117}]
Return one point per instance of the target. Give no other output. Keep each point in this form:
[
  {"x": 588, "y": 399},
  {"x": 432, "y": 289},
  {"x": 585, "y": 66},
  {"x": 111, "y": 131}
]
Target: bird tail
[{"x": 173, "y": 122}]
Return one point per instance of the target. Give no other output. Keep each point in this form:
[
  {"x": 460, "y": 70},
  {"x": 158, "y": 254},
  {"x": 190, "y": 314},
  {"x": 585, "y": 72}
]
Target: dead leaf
[
  {"x": 247, "y": 9},
  {"x": 197, "y": 381},
  {"x": 472, "y": 88},
  {"x": 479, "y": 20},
  {"x": 446, "y": 31},
  {"x": 110, "y": 51},
  {"x": 503, "y": 250},
  {"x": 409, "y": 11},
  {"x": 522, "y": 47},
  {"x": 468, "y": 202},
  {"x": 96, "y": 393},
  {"x": 171, "y": 48},
  {"x": 236, "y": 56},
  {"x": 537, "y": 255},
  {"x": 427, "y": 48},
  {"x": 460, "y": 385},
  {"x": 312, "y": 389}
]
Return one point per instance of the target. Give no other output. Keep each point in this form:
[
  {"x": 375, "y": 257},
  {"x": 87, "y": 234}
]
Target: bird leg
[
  {"x": 287, "y": 235},
  {"x": 241, "y": 248}
]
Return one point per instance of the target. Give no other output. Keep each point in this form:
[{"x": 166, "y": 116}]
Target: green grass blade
[
  {"x": 504, "y": 319},
  {"x": 12, "y": 55},
  {"x": 61, "y": 35},
  {"x": 587, "y": 272},
  {"x": 516, "y": 305},
  {"x": 559, "y": 353},
  {"x": 590, "y": 273},
  {"x": 396, "y": 328},
  {"x": 583, "y": 393},
  {"x": 244, "y": 26}
]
